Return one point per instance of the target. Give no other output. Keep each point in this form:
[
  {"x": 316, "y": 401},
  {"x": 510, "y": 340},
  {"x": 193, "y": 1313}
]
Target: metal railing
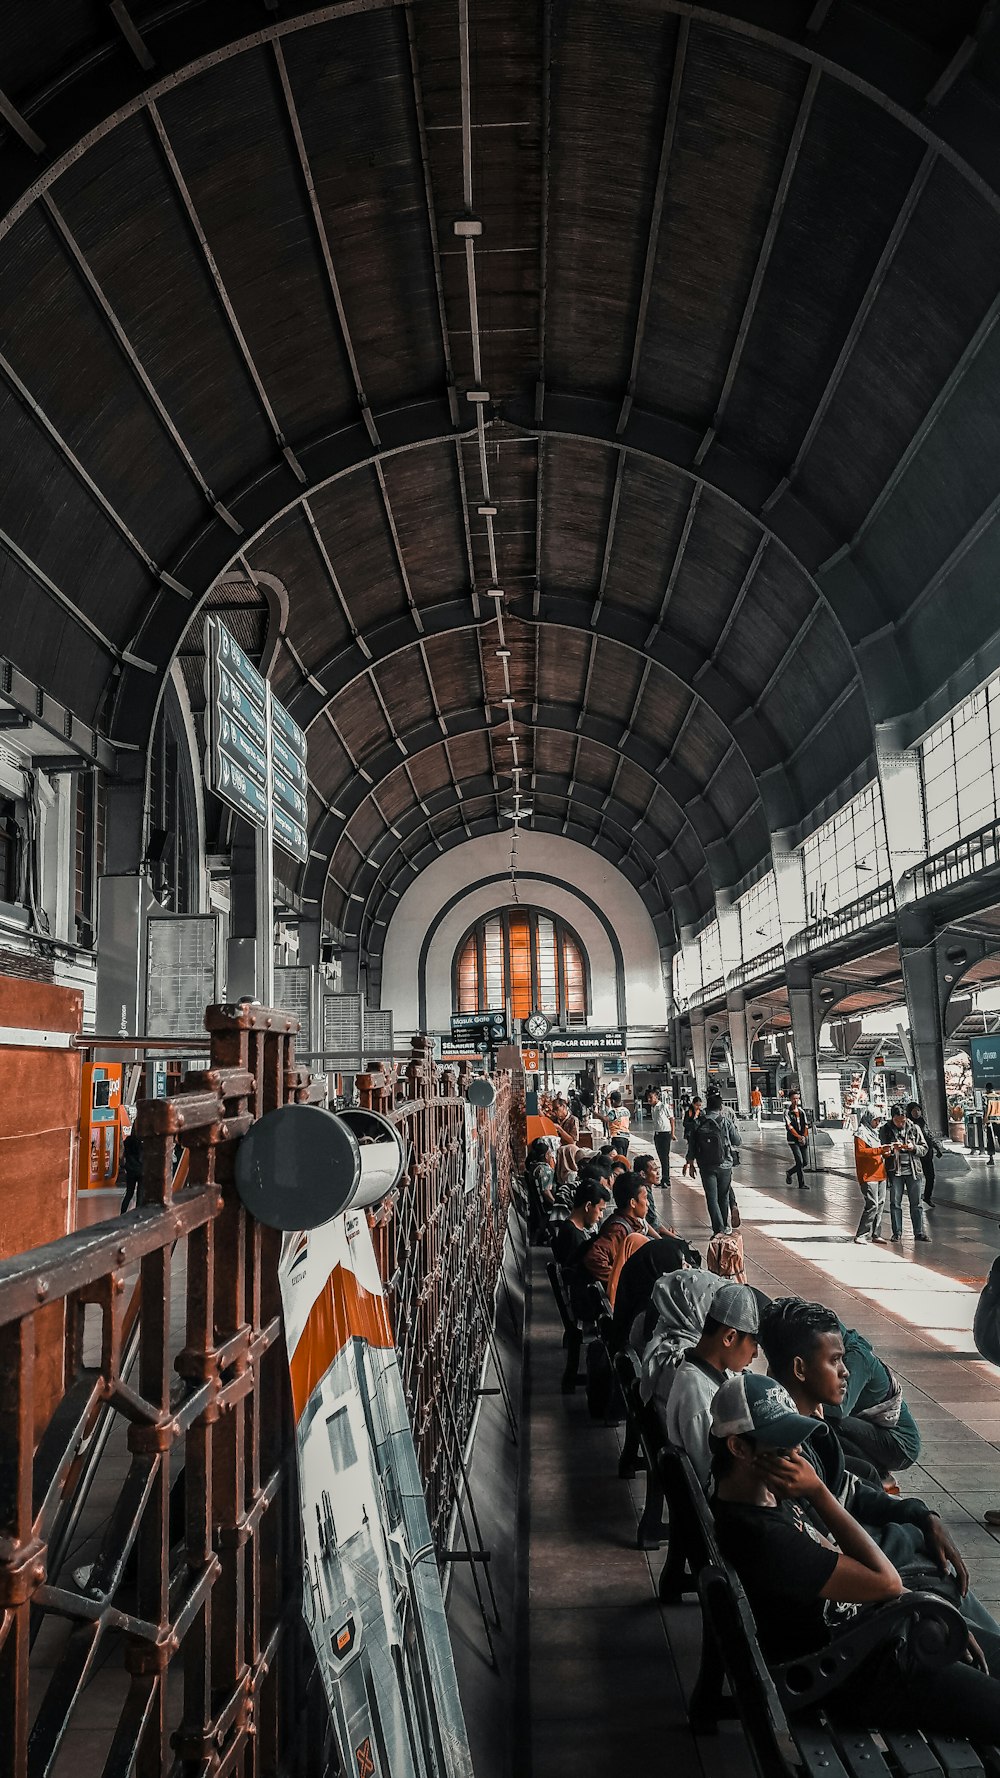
[
  {"x": 769, "y": 962},
  {"x": 714, "y": 990},
  {"x": 963, "y": 858},
  {"x": 855, "y": 917},
  {"x": 189, "y": 1612}
]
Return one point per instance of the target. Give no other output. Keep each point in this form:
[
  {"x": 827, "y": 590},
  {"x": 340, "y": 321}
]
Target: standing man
[
  {"x": 869, "y": 1165},
  {"x": 797, "y": 1136},
  {"x": 691, "y": 1118},
  {"x": 757, "y": 1106},
  {"x": 905, "y": 1145},
  {"x": 991, "y": 1121},
  {"x": 715, "y": 1146},
  {"x": 663, "y": 1131}
]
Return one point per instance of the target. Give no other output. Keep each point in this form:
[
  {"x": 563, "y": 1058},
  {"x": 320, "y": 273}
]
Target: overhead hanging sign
[
  {"x": 257, "y": 754},
  {"x": 586, "y": 1043},
  {"x": 480, "y": 1027}
]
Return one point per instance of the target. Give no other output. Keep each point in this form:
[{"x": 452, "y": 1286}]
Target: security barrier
[{"x": 185, "y": 1618}]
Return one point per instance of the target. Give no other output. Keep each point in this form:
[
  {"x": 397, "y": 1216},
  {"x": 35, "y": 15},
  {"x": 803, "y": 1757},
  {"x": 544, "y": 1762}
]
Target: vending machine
[{"x": 100, "y": 1125}]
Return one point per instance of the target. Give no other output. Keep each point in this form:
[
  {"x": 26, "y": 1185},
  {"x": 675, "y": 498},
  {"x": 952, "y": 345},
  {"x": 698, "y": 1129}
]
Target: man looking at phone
[{"x": 903, "y": 1143}]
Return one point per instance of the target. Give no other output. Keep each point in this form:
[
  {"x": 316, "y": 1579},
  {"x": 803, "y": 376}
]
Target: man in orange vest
[{"x": 869, "y": 1164}]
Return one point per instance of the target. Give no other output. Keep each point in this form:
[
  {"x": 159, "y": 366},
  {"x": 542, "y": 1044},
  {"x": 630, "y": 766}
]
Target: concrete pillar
[
  {"x": 241, "y": 956},
  {"x": 122, "y": 898},
  {"x": 790, "y": 885},
  {"x": 922, "y": 981},
  {"x": 699, "y": 1048},
  {"x": 739, "y": 1045},
  {"x": 805, "y": 1034},
  {"x": 903, "y": 808},
  {"x": 736, "y": 1000}
]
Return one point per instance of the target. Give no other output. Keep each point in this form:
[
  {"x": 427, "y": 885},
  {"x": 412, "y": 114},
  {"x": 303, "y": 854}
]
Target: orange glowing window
[{"x": 526, "y": 958}]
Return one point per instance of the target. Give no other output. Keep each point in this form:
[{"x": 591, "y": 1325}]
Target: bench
[
  {"x": 645, "y": 1435},
  {"x": 782, "y": 1713}
]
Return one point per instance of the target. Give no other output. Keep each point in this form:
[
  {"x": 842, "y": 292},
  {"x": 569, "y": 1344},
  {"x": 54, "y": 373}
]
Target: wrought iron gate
[{"x": 193, "y": 1588}]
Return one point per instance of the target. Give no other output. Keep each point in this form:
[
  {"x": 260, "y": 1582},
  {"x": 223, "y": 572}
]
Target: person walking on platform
[
  {"x": 691, "y": 1117},
  {"x": 934, "y": 1149},
  {"x": 797, "y": 1137},
  {"x": 991, "y": 1121},
  {"x": 757, "y": 1106},
  {"x": 715, "y": 1145},
  {"x": 905, "y": 1145},
  {"x": 869, "y": 1165},
  {"x": 663, "y": 1131}
]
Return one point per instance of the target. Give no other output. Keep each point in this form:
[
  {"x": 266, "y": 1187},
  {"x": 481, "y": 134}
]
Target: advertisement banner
[
  {"x": 371, "y": 1592},
  {"x": 984, "y": 1054}
]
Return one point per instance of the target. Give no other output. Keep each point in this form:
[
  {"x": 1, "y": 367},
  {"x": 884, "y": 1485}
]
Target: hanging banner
[{"x": 371, "y": 1592}]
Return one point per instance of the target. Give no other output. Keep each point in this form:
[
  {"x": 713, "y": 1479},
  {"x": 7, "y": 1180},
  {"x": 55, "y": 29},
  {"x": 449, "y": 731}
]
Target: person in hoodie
[{"x": 682, "y": 1301}]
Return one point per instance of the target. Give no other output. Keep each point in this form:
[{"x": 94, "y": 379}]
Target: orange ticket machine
[{"x": 100, "y": 1124}]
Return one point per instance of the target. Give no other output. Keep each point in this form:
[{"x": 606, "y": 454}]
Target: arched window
[{"x": 530, "y": 958}]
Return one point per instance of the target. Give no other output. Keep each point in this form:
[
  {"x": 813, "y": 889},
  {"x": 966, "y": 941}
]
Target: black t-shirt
[
  {"x": 569, "y": 1244},
  {"x": 783, "y": 1567}
]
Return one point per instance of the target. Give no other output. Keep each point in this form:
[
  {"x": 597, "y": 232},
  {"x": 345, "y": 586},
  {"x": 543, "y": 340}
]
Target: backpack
[
  {"x": 986, "y": 1326},
  {"x": 711, "y": 1150}
]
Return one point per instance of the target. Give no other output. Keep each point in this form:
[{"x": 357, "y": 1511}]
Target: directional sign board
[
  {"x": 256, "y": 753},
  {"x": 480, "y": 1027}
]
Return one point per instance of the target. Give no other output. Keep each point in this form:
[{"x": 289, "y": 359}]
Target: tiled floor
[{"x": 608, "y": 1669}]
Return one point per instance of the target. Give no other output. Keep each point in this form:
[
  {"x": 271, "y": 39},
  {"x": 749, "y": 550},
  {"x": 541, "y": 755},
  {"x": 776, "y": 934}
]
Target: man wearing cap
[
  {"x": 806, "y": 1565},
  {"x": 727, "y": 1345}
]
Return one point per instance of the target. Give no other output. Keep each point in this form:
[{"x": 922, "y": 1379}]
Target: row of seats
[{"x": 783, "y": 1711}]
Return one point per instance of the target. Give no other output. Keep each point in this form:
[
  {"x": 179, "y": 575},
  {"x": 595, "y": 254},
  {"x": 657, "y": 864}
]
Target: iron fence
[{"x": 191, "y": 1599}]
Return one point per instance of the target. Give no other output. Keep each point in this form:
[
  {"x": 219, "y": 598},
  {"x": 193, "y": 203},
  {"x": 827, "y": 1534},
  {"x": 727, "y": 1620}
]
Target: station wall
[{"x": 553, "y": 873}]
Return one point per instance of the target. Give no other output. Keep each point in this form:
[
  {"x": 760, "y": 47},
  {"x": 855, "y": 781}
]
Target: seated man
[
  {"x": 873, "y": 1422},
  {"x": 569, "y": 1126},
  {"x": 628, "y": 1218},
  {"x": 647, "y": 1167},
  {"x": 804, "y": 1348},
  {"x": 728, "y": 1343},
  {"x": 572, "y": 1239},
  {"x": 807, "y": 1564},
  {"x": 618, "y": 1122}
]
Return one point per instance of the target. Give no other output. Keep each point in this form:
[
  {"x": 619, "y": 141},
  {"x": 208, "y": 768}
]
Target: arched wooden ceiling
[{"x": 726, "y": 279}]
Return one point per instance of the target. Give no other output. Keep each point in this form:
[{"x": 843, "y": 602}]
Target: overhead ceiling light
[
  {"x": 487, "y": 512},
  {"x": 510, "y": 701},
  {"x": 502, "y": 654},
  {"x": 479, "y": 396},
  {"x": 495, "y": 592}
]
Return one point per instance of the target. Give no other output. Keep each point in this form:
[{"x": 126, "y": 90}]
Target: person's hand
[
  {"x": 974, "y": 1655},
  {"x": 789, "y": 1474},
  {"x": 945, "y": 1551}
]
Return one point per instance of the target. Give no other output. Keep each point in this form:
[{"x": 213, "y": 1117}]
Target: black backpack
[
  {"x": 986, "y": 1326},
  {"x": 711, "y": 1150}
]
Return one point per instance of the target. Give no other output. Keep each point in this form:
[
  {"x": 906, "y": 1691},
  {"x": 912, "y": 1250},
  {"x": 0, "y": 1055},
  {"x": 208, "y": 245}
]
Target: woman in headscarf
[{"x": 682, "y": 1301}]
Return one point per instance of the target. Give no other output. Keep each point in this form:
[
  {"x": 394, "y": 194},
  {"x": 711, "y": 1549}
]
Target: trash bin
[{"x": 974, "y": 1138}]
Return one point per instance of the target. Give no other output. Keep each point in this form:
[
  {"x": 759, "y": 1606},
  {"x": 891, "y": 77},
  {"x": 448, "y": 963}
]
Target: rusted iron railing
[
  {"x": 439, "y": 1242},
  {"x": 192, "y": 1595}
]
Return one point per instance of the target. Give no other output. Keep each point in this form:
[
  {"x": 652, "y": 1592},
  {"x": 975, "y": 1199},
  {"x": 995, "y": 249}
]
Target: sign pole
[{"x": 265, "y": 876}]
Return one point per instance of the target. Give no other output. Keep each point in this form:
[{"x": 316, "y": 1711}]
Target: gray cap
[{"x": 734, "y": 1305}]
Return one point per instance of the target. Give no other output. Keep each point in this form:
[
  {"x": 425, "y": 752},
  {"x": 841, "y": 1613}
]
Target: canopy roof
[{"x": 726, "y": 283}]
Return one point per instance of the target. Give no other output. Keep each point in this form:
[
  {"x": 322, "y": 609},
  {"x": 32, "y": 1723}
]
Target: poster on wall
[{"x": 371, "y": 1593}]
